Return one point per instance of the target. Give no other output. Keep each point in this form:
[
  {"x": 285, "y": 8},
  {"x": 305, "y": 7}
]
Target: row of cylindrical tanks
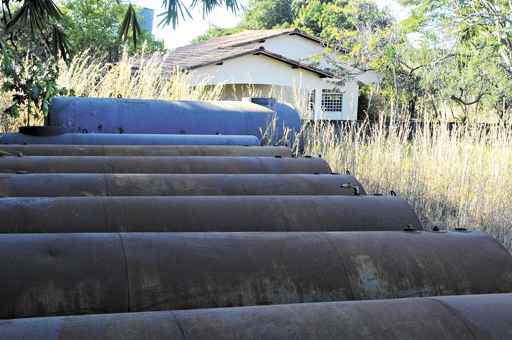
[{"x": 188, "y": 241}]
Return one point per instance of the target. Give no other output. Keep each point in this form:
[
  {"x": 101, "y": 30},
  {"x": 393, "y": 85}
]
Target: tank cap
[
  {"x": 409, "y": 228},
  {"x": 355, "y": 188}
]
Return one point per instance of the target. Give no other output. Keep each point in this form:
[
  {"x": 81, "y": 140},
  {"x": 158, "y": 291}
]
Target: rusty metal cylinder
[
  {"x": 55, "y": 185},
  {"x": 62, "y": 274},
  {"x": 129, "y": 139},
  {"x": 477, "y": 317},
  {"x": 186, "y": 164},
  {"x": 144, "y": 150},
  {"x": 204, "y": 214}
]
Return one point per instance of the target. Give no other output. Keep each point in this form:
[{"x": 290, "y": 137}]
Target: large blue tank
[
  {"x": 107, "y": 115},
  {"x": 129, "y": 139},
  {"x": 286, "y": 122}
]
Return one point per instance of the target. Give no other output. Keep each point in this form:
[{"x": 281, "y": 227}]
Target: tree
[
  {"x": 490, "y": 23},
  {"x": 33, "y": 25},
  {"x": 215, "y": 32},
  {"x": 32, "y": 40},
  {"x": 477, "y": 79},
  {"x": 176, "y": 11},
  {"x": 94, "y": 25},
  {"x": 259, "y": 14},
  {"x": 265, "y": 14},
  {"x": 347, "y": 26}
]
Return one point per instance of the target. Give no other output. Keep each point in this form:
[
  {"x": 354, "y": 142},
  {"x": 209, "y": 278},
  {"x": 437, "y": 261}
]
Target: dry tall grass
[
  {"x": 454, "y": 178},
  {"x": 457, "y": 178},
  {"x": 131, "y": 78}
]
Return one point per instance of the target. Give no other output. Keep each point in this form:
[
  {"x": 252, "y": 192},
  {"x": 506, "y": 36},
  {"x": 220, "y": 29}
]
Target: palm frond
[
  {"x": 209, "y": 5},
  {"x": 36, "y": 14},
  {"x": 175, "y": 10},
  {"x": 130, "y": 23},
  {"x": 59, "y": 42}
]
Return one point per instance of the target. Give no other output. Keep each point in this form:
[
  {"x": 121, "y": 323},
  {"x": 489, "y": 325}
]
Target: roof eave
[
  {"x": 263, "y": 51},
  {"x": 321, "y": 73},
  {"x": 307, "y": 36}
]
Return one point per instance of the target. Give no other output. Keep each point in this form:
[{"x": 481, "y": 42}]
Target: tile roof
[{"x": 219, "y": 49}]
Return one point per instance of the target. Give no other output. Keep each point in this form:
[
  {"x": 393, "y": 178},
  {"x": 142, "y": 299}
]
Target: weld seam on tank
[
  {"x": 455, "y": 314},
  {"x": 342, "y": 262},
  {"x": 106, "y": 184},
  {"x": 178, "y": 325},
  {"x": 126, "y": 270}
]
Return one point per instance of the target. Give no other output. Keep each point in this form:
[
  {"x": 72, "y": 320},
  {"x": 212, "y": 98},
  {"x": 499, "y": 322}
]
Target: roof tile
[{"x": 229, "y": 46}]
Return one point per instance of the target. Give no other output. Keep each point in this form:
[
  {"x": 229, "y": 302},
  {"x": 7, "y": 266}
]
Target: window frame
[{"x": 332, "y": 100}]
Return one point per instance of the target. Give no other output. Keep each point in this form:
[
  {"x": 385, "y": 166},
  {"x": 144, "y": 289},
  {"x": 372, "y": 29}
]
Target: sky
[{"x": 191, "y": 28}]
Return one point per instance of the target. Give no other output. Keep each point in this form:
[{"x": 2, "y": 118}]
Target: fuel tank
[
  {"x": 142, "y": 150},
  {"x": 62, "y": 274},
  {"x": 54, "y": 185},
  {"x": 205, "y": 214},
  {"x": 162, "y": 164},
  {"x": 477, "y": 317},
  {"x": 129, "y": 139}
]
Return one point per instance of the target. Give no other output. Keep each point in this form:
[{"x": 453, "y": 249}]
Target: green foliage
[
  {"x": 177, "y": 9},
  {"x": 96, "y": 25},
  {"x": 265, "y": 14},
  {"x": 130, "y": 23},
  {"x": 460, "y": 61},
  {"x": 215, "y": 32},
  {"x": 31, "y": 82},
  {"x": 349, "y": 26},
  {"x": 32, "y": 41},
  {"x": 33, "y": 25}
]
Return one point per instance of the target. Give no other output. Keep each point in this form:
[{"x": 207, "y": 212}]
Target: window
[
  {"x": 311, "y": 101},
  {"x": 332, "y": 100}
]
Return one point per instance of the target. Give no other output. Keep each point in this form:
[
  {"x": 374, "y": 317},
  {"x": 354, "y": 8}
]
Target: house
[{"x": 273, "y": 63}]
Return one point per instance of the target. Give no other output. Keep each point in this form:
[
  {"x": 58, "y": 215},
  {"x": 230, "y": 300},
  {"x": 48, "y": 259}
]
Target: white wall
[
  {"x": 350, "y": 102},
  {"x": 256, "y": 69},
  {"x": 293, "y": 47},
  {"x": 262, "y": 70}
]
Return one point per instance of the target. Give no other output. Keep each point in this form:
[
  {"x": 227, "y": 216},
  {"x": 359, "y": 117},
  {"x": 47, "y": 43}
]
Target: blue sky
[{"x": 191, "y": 28}]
